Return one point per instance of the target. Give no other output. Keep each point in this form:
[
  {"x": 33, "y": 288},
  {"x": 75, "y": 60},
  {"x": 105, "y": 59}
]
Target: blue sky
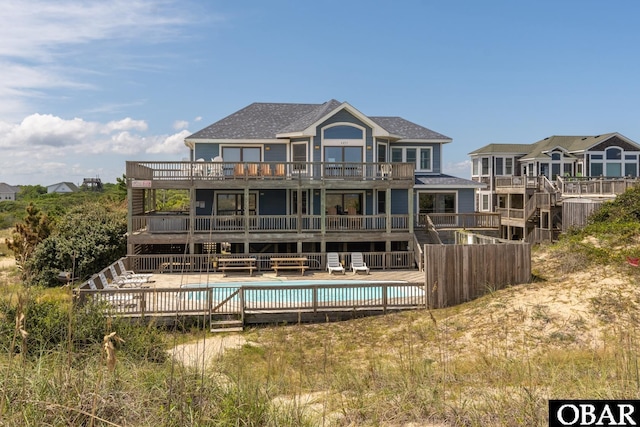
[{"x": 85, "y": 86}]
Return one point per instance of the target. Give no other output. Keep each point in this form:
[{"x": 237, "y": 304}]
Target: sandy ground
[
  {"x": 204, "y": 352},
  {"x": 6, "y": 262}
]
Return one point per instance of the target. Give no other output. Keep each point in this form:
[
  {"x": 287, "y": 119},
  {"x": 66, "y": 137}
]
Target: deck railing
[
  {"x": 594, "y": 186},
  {"x": 185, "y": 263},
  {"x": 179, "y": 223},
  {"x": 215, "y": 171},
  {"x": 517, "y": 181},
  {"x": 228, "y": 299},
  {"x": 488, "y": 220}
]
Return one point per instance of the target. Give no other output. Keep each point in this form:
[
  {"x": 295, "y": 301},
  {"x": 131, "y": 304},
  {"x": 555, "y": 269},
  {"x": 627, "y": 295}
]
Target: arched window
[{"x": 343, "y": 132}]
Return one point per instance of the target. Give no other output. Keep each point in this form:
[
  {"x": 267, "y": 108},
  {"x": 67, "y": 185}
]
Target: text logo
[{"x": 578, "y": 413}]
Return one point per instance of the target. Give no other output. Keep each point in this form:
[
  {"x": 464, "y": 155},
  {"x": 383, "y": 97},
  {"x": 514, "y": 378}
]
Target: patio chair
[
  {"x": 357, "y": 263},
  {"x": 118, "y": 297},
  {"x": 122, "y": 281},
  {"x": 104, "y": 283},
  {"x": 130, "y": 273},
  {"x": 217, "y": 169},
  {"x": 333, "y": 263}
]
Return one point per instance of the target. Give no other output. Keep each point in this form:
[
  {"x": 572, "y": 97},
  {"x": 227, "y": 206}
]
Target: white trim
[
  {"x": 386, "y": 151},
  {"x": 376, "y": 130},
  {"x": 422, "y": 141},
  {"x": 346, "y": 142},
  {"x": 306, "y": 155}
]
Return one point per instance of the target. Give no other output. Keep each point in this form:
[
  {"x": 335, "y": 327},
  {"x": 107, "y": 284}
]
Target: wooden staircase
[{"x": 234, "y": 325}]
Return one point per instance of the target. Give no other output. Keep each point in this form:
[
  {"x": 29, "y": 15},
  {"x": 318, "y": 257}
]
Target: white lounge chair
[
  {"x": 357, "y": 263},
  {"x": 104, "y": 283},
  {"x": 125, "y": 281},
  {"x": 333, "y": 263},
  {"x": 113, "y": 293},
  {"x": 130, "y": 273}
]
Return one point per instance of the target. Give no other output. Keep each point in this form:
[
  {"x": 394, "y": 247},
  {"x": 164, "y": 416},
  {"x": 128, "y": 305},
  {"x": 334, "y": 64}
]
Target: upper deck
[{"x": 263, "y": 174}]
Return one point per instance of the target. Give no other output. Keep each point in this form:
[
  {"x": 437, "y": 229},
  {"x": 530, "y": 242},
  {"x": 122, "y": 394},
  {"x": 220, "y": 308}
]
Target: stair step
[
  {"x": 226, "y": 322},
  {"x": 230, "y": 329}
]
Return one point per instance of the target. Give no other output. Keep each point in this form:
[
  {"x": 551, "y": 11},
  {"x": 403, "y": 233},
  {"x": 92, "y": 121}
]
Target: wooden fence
[
  {"x": 269, "y": 299},
  {"x": 458, "y": 273}
]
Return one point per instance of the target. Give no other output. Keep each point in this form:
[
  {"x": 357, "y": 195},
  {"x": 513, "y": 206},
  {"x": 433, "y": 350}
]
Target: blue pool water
[{"x": 351, "y": 291}]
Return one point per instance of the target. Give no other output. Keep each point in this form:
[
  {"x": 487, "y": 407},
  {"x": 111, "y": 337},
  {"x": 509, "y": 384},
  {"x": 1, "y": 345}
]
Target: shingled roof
[
  {"x": 267, "y": 120},
  {"x": 572, "y": 144},
  {"x": 6, "y": 188}
]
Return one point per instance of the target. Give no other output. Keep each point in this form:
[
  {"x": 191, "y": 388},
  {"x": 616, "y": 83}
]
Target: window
[
  {"x": 437, "y": 202},
  {"x": 343, "y": 132},
  {"x": 631, "y": 169},
  {"x": 485, "y": 166},
  {"x": 233, "y": 204},
  {"x": 508, "y": 166},
  {"x": 411, "y": 155},
  {"x": 474, "y": 167},
  {"x": 294, "y": 202},
  {"x": 241, "y": 154},
  {"x": 425, "y": 159},
  {"x": 498, "y": 165},
  {"x": 382, "y": 201},
  {"x": 485, "y": 202},
  {"x": 344, "y": 203},
  {"x": 382, "y": 152},
  {"x": 299, "y": 156},
  {"x": 396, "y": 155},
  {"x": 614, "y": 154},
  {"x": 613, "y": 162}
]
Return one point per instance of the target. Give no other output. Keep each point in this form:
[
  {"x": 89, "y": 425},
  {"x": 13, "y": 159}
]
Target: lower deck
[{"x": 232, "y": 300}]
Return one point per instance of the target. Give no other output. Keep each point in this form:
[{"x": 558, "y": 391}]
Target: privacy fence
[{"x": 458, "y": 273}]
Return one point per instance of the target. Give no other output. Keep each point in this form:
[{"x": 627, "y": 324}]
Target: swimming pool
[{"x": 306, "y": 291}]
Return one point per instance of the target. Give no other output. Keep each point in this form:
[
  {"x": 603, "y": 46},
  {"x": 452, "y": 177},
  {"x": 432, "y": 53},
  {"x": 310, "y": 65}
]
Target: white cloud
[
  {"x": 44, "y": 45},
  {"x": 172, "y": 144},
  {"x": 461, "y": 169},
  {"x": 180, "y": 124},
  {"x": 197, "y": 119}
]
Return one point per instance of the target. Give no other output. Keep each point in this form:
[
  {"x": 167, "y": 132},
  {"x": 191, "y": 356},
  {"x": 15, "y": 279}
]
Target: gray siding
[
  {"x": 399, "y": 202},
  {"x": 272, "y": 202},
  {"x": 466, "y": 198},
  {"x": 275, "y": 153}
]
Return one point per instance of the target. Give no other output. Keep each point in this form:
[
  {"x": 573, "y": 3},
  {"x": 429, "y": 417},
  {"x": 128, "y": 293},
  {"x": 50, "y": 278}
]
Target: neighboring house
[
  {"x": 7, "y": 192},
  {"x": 62, "y": 187},
  {"x": 544, "y": 188},
  {"x": 298, "y": 178}
]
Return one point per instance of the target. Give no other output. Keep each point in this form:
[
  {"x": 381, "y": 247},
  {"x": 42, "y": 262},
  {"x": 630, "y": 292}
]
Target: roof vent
[
  {"x": 545, "y": 138},
  {"x": 584, "y": 138},
  {"x": 597, "y": 136}
]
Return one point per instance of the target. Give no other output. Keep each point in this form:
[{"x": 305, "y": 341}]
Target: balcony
[
  {"x": 180, "y": 223},
  {"x": 143, "y": 174}
]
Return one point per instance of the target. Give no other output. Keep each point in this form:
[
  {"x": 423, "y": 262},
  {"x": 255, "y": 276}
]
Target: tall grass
[{"x": 493, "y": 361}]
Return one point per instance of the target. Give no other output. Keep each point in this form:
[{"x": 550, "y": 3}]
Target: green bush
[
  {"x": 86, "y": 240},
  {"x": 51, "y": 326}
]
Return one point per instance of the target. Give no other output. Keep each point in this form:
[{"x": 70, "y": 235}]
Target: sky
[{"x": 87, "y": 85}]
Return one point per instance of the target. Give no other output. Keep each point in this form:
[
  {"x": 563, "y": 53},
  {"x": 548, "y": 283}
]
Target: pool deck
[{"x": 172, "y": 280}]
